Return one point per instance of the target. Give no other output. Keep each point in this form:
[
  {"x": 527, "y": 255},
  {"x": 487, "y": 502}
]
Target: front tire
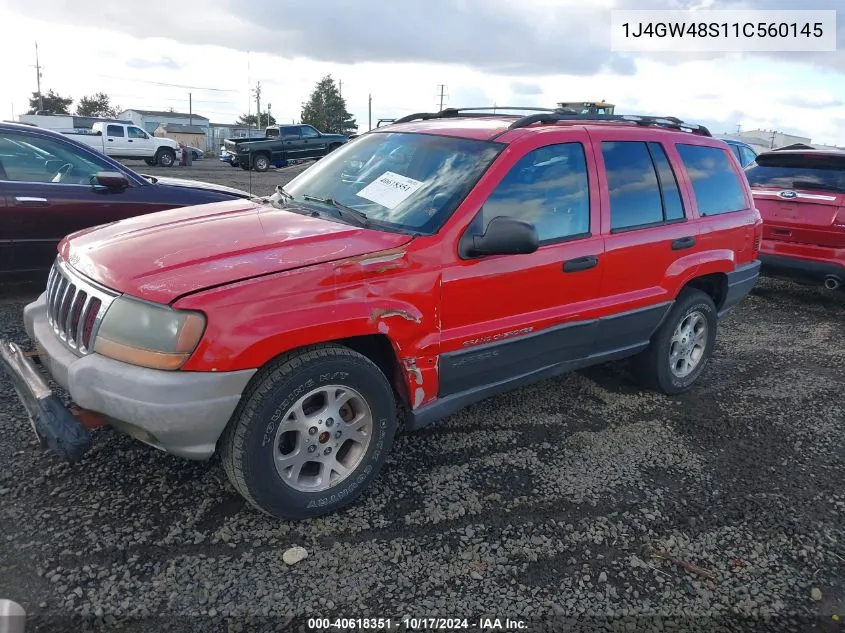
[
  {"x": 165, "y": 157},
  {"x": 260, "y": 162},
  {"x": 682, "y": 346},
  {"x": 311, "y": 433}
]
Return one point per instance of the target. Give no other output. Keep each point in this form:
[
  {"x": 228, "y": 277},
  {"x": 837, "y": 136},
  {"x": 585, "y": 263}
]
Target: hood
[
  {"x": 163, "y": 256},
  {"x": 196, "y": 184}
]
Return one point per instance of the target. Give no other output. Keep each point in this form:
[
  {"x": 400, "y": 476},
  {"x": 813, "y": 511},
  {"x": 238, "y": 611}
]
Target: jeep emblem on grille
[
  {"x": 73, "y": 259},
  {"x": 788, "y": 194}
]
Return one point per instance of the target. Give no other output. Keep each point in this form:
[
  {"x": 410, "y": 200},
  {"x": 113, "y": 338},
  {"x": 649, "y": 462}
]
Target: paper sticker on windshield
[{"x": 390, "y": 189}]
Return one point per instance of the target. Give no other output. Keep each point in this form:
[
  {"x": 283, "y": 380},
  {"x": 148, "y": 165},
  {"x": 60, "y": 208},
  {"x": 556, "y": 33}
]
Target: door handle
[
  {"x": 110, "y": 140},
  {"x": 580, "y": 263},
  {"x": 29, "y": 201},
  {"x": 130, "y": 140},
  {"x": 683, "y": 242}
]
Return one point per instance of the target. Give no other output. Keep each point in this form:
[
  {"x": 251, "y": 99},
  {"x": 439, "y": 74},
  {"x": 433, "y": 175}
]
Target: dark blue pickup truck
[{"x": 280, "y": 145}]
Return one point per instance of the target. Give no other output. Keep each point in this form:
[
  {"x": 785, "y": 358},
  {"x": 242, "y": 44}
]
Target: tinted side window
[
  {"x": 136, "y": 132},
  {"x": 114, "y": 130},
  {"x": 290, "y": 133},
  {"x": 673, "y": 206},
  {"x": 716, "y": 185},
  {"x": 548, "y": 188},
  {"x": 309, "y": 132},
  {"x": 31, "y": 158},
  {"x": 632, "y": 184}
]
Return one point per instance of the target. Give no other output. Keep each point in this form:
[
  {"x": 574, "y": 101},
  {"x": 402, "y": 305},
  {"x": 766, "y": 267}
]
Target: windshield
[
  {"x": 798, "y": 171},
  {"x": 409, "y": 181}
]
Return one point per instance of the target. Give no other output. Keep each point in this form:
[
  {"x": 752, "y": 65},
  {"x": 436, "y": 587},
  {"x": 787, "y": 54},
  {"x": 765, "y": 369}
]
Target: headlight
[{"x": 148, "y": 335}]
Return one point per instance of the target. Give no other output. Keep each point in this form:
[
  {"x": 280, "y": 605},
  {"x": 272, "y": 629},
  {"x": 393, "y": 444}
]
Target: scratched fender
[{"x": 391, "y": 293}]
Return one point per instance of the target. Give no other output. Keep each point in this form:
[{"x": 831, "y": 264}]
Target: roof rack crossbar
[
  {"x": 657, "y": 121},
  {"x": 454, "y": 112}
]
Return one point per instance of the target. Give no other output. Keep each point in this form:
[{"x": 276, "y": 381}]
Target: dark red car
[
  {"x": 801, "y": 196},
  {"x": 51, "y": 185}
]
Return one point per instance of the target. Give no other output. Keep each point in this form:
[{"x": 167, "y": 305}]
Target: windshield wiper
[
  {"x": 281, "y": 191},
  {"x": 359, "y": 216},
  {"x": 808, "y": 184}
]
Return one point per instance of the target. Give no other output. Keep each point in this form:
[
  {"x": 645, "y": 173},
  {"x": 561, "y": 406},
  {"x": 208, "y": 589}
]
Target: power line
[{"x": 161, "y": 83}]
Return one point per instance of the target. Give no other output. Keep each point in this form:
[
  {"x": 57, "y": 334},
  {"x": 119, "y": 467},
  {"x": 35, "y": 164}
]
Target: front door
[
  {"x": 138, "y": 143},
  {"x": 47, "y": 186},
  {"x": 505, "y": 316},
  {"x": 313, "y": 144}
]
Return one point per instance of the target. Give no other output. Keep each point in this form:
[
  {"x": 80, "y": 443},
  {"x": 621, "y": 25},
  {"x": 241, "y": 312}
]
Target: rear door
[
  {"x": 800, "y": 197},
  {"x": 650, "y": 238},
  {"x": 291, "y": 143},
  {"x": 115, "y": 141}
]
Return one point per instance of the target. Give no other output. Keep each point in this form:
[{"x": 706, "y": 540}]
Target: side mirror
[
  {"x": 504, "y": 236},
  {"x": 112, "y": 180}
]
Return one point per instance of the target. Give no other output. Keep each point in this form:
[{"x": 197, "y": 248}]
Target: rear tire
[
  {"x": 682, "y": 346},
  {"x": 165, "y": 157},
  {"x": 329, "y": 399}
]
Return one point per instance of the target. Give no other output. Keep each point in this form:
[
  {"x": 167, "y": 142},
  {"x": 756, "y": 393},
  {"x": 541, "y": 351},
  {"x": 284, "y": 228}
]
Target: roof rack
[
  {"x": 555, "y": 115},
  {"x": 650, "y": 121},
  {"x": 455, "y": 112}
]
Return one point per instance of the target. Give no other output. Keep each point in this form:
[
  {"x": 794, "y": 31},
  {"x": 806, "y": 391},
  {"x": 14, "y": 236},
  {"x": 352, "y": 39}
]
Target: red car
[
  {"x": 801, "y": 197},
  {"x": 52, "y": 185},
  {"x": 415, "y": 270}
]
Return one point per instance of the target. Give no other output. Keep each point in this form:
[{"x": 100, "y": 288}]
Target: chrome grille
[{"x": 75, "y": 307}]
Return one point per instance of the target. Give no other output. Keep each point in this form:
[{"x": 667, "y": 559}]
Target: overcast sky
[{"x": 507, "y": 52}]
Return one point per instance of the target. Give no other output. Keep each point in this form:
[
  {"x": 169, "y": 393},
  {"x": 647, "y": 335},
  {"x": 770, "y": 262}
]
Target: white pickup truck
[{"x": 119, "y": 140}]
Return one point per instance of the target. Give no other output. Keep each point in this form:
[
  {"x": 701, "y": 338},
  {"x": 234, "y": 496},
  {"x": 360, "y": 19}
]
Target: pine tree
[{"x": 326, "y": 109}]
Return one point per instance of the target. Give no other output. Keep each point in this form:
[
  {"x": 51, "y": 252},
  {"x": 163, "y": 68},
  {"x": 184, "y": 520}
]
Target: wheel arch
[{"x": 714, "y": 285}]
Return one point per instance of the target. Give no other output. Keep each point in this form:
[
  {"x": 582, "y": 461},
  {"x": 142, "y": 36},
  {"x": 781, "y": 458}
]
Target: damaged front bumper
[{"x": 53, "y": 423}]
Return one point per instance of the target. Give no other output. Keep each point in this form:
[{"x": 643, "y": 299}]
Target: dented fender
[{"x": 393, "y": 293}]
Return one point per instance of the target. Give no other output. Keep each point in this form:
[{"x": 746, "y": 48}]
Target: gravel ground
[{"x": 577, "y": 500}]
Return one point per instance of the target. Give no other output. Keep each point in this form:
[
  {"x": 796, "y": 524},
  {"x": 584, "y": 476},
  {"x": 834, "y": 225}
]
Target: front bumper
[{"x": 183, "y": 413}]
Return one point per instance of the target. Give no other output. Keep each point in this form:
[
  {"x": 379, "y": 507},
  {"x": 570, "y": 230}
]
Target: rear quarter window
[
  {"x": 798, "y": 171},
  {"x": 717, "y": 187}
]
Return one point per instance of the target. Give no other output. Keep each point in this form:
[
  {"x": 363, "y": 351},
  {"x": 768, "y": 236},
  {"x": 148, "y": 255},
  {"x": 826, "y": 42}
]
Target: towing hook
[{"x": 832, "y": 282}]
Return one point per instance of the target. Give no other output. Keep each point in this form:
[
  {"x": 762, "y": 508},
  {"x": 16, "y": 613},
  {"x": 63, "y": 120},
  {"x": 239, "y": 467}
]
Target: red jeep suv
[
  {"x": 801, "y": 197},
  {"x": 417, "y": 269}
]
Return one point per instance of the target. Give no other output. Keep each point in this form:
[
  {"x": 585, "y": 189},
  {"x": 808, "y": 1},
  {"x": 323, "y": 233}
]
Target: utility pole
[
  {"x": 190, "y": 110},
  {"x": 774, "y": 133},
  {"x": 38, "y": 78},
  {"x": 370, "y": 112},
  {"x": 738, "y": 128},
  {"x": 269, "y": 108},
  {"x": 340, "y": 88},
  {"x": 258, "y": 102},
  {"x": 443, "y": 94}
]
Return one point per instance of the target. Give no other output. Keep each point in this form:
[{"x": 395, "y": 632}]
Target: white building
[
  {"x": 151, "y": 120},
  {"x": 764, "y": 140}
]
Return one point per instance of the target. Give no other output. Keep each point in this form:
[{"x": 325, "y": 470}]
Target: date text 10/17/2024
[{"x": 416, "y": 624}]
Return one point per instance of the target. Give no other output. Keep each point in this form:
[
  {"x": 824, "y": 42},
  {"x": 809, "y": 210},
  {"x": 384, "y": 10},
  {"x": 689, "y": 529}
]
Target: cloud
[
  {"x": 163, "y": 62},
  {"x": 494, "y": 36},
  {"x": 525, "y": 88},
  {"x": 799, "y": 101}
]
